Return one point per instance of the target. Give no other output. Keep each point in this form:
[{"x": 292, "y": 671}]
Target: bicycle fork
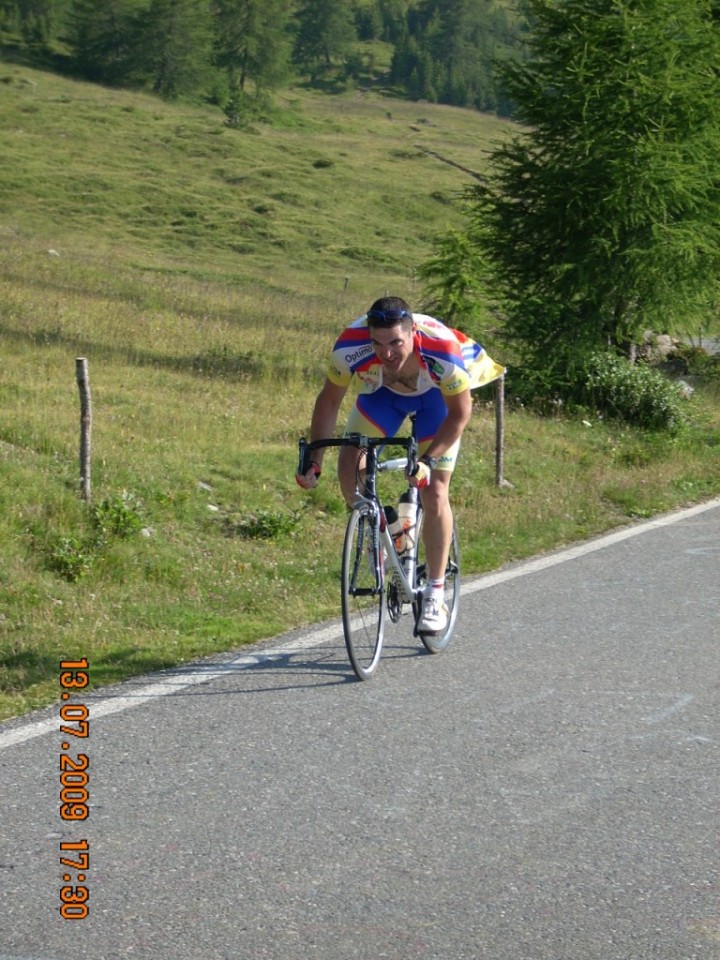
[{"x": 368, "y": 550}]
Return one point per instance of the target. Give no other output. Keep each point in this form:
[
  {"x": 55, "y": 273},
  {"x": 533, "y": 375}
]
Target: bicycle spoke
[{"x": 363, "y": 599}]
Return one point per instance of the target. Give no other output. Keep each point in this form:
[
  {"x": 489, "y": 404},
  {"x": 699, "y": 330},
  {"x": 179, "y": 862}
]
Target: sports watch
[{"x": 430, "y": 461}]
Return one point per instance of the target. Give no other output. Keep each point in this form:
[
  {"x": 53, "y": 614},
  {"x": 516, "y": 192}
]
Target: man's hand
[
  {"x": 308, "y": 480},
  {"x": 421, "y": 477}
]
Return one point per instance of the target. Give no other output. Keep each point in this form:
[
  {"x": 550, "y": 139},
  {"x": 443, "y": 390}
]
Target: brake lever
[{"x": 303, "y": 457}]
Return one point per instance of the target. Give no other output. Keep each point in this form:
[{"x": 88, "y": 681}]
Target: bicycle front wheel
[
  {"x": 437, "y": 642},
  {"x": 363, "y": 592}
]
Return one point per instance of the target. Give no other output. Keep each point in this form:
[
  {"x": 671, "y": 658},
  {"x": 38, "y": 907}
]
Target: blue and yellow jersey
[{"x": 449, "y": 360}]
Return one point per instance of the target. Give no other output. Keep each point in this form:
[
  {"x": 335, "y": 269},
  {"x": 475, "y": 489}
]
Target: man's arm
[
  {"x": 325, "y": 414},
  {"x": 459, "y": 409},
  {"x": 322, "y": 426}
]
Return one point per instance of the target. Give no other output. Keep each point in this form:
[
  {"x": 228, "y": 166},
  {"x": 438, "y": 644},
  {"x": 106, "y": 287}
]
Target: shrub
[
  {"x": 70, "y": 557},
  {"x": 261, "y": 525},
  {"x": 697, "y": 361},
  {"x": 73, "y": 555},
  {"x": 633, "y": 393},
  {"x": 118, "y": 516}
]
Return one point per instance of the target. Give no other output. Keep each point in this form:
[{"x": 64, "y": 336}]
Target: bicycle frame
[
  {"x": 404, "y": 568},
  {"x": 377, "y": 581}
]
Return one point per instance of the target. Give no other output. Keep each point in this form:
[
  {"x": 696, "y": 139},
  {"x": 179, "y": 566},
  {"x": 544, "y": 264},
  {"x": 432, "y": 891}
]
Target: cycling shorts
[{"x": 383, "y": 412}]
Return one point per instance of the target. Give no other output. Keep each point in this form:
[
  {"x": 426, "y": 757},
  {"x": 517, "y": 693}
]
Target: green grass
[
  {"x": 324, "y": 193},
  {"x": 204, "y": 272}
]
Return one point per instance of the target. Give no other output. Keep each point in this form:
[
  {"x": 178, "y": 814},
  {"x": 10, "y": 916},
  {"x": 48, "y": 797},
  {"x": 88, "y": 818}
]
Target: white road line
[
  {"x": 173, "y": 682},
  {"x": 166, "y": 683}
]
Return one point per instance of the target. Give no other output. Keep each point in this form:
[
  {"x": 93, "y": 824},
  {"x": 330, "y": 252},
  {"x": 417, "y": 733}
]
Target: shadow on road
[{"x": 309, "y": 667}]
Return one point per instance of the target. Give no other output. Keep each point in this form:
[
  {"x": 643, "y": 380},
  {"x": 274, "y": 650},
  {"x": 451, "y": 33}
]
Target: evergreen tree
[
  {"x": 369, "y": 21},
  {"x": 325, "y": 33},
  {"x": 414, "y": 68},
  {"x": 455, "y": 283},
  {"x": 252, "y": 41},
  {"x": 603, "y": 214},
  {"x": 102, "y": 38},
  {"x": 9, "y": 18},
  {"x": 393, "y": 14},
  {"x": 461, "y": 38},
  {"x": 174, "y": 50},
  {"x": 36, "y": 20}
]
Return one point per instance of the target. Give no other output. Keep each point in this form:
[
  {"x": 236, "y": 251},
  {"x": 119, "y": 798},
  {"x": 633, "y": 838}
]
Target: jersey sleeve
[
  {"x": 481, "y": 368},
  {"x": 455, "y": 362},
  {"x": 442, "y": 354},
  {"x": 351, "y": 353},
  {"x": 457, "y": 382},
  {"x": 337, "y": 372}
]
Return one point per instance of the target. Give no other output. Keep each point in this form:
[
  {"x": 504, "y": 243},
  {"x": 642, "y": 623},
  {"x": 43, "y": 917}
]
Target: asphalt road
[{"x": 546, "y": 789}]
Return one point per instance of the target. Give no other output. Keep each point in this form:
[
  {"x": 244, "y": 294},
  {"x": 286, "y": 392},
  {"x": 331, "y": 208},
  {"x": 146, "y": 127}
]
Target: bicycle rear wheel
[
  {"x": 437, "y": 642},
  {"x": 363, "y": 592}
]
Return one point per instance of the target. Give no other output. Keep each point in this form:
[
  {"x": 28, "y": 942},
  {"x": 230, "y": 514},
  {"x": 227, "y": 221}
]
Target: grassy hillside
[
  {"x": 203, "y": 272},
  {"x": 333, "y": 188}
]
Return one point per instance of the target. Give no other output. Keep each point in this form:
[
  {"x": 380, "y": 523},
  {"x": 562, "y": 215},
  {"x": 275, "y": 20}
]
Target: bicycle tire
[
  {"x": 363, "y": 594},
  {"x": 437, "y": 642}
]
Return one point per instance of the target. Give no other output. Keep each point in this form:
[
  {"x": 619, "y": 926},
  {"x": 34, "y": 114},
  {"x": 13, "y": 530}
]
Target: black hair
[{"x": 388, "y": 311}]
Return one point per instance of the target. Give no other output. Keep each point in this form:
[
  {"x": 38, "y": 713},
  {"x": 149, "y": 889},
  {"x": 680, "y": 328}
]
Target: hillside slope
[
  {"x": 203, "y": 273},
  {"x": 336, "y": 186}
]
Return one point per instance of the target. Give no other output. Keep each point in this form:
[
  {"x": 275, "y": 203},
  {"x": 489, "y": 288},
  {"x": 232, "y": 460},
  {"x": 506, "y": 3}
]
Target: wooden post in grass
[
  {"x": 83, "y": 380},
  {"x": 500, "y": 432}
]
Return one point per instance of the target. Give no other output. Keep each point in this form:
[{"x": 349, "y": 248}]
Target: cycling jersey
[{"x": 449, "y": 360}]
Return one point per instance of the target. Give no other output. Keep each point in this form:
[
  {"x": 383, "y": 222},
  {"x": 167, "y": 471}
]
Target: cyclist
[{"x": 405, "y": 363}]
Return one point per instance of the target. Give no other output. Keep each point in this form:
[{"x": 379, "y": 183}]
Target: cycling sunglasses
[{"x": 388, "y": 317}]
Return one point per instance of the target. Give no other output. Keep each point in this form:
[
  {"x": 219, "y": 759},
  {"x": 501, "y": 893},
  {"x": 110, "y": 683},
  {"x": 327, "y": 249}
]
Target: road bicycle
[{"x": 378, "y": 581}]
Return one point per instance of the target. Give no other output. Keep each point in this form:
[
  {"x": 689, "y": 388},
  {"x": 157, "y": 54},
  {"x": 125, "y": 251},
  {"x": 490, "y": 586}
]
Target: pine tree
[
  {"x": 102, "y": 38},
  {"x": 325, "y": 33},
  {"x": 36, "y": 20},
  {"x": 252, "y": 41},
  {"x": 174, "y": 51},
  {"x": 461, "y": 38},
  {"x": 455, "y": 282},
  {"x": 393, "y": 15},
  {"x": 369, "y": 21},
  {"x": 603, "y": 214}
]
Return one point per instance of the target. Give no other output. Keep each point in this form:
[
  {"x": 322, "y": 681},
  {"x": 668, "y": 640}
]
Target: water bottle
[
  {"x": 395, "y": 528},
  {"x": 407, "y": 519}
]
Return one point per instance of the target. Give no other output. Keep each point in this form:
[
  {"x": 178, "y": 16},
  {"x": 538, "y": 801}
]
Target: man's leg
[
  {"x": 372, "y": 416},
  {"x": 437, "y": 539},
  {"x": 351, "y": 472},
  {"x": 437, "y": 523}
]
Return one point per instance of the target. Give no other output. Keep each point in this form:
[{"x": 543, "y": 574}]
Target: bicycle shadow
[
  {"x": 307, "y": 668},
  {"x": 258, "y": 670}
]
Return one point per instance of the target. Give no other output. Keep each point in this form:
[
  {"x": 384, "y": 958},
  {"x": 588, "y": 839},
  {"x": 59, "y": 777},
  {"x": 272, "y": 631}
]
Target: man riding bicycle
[{"x": 405, "y": 363}]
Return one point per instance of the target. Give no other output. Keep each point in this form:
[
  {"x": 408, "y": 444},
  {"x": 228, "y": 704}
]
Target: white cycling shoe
[{"x": 434, "y": 616}]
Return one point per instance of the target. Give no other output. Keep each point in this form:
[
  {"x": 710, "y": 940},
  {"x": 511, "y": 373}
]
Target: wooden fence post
[
  {"x": 500, "y": 432},
  {"x": 83, "y": 380}
]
